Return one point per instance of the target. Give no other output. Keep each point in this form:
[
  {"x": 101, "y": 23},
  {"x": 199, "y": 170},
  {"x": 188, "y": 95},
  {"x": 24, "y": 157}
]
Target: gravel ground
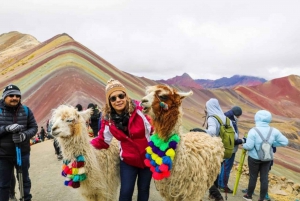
[{"x": 47, "y": 182}]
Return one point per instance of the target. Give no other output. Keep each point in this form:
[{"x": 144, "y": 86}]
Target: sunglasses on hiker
[
  {"x": 114, "y": 98},
  {"x": 13, "y": 95}
]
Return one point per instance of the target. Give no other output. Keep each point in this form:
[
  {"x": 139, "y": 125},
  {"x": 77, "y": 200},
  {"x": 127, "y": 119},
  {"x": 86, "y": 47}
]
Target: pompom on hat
[
  {"x": 112, "y": 86},
  {"x": 237, "y": 111},
  {"x": 11, "y": 89}
]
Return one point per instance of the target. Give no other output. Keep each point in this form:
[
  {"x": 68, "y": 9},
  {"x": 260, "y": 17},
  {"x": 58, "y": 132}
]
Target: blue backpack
[{"x": 25, "y": 108}]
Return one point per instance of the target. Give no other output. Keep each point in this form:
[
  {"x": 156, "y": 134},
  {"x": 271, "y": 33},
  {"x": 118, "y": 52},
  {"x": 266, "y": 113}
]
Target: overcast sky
[{"x": 160, "y": 39}]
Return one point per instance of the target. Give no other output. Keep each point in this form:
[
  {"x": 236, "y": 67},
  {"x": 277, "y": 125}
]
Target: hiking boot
[
  {"x": 267, "y": 198},
  {"x": 247, "y": 197},
  {"x": 226, "y": 189},
  {"x": 12, "y": 198},
  {"x": 59, "y": 157},
  {"x": 218, "y": 198}
]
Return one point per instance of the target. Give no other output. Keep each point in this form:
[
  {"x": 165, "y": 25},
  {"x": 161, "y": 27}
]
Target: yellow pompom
[
  {"x": 154, "y": 156},
  {"x": 171, "y": 153},
  {"x": 149, "y": 150},
  {"x": 74, "y": 171},
  {"x": 158, "y": 160}
]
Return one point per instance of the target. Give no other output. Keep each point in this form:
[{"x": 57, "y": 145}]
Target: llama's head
[
  {"x": 163, "y": 104},
  {"x": 68, "y": 121}
]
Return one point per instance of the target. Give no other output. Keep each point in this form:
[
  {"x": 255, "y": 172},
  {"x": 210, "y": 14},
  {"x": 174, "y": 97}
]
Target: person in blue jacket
[
  {"x": 262, "y": 120},
  {"x": 226, "y": 167}
]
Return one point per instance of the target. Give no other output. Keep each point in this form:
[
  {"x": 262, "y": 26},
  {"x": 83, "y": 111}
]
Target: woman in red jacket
[{"x": 123, "y": 119}]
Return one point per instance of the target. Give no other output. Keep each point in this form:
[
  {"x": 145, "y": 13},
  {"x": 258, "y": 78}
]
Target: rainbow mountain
[{"x": 63, "y": 71}]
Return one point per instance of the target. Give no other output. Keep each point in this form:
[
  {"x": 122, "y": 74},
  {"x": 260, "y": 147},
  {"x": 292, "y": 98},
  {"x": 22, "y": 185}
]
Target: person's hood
[
  {"x": 213, "y": 108},
  {"x": 262, "y": 118}
]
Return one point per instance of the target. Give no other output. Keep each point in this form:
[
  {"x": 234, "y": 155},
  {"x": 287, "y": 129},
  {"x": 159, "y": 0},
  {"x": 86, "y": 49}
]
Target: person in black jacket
[
  {"x": 42, "y": 134},
  {"x": 94, "y": 120},
  {"x": 17, "y": 126}
]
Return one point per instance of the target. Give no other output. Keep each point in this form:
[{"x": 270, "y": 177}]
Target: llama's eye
[
  {"x": 163, "y": 97},
  {"x": 69, "y": 120}
]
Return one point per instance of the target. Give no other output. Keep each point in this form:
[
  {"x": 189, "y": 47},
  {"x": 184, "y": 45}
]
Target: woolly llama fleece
[
  {"x": 184, "y": 165},
  {"x": 95, "y": 173}
]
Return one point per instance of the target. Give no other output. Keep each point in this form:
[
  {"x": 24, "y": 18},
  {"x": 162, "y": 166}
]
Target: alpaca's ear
[
  {"x": 185, "y": 94},
  {"x": 86, "y": 114}
]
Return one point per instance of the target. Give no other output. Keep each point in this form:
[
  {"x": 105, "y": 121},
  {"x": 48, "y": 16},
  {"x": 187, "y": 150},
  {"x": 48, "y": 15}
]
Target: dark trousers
[
  {"x": 6, "y": 172},
  {"x": 214, "y": 189},
  {"x": 128, "y": 175},
  {"x": 12, "y": 185},
  {"x": 225, "y": 171},
  {"x": 255, "y": 167}
]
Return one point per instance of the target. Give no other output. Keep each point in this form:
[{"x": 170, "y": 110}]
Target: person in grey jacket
[
  {"x": 213, "y": 129},
  {"x": 17, "y": 126},
  {"x": 262, "y": 120},
  {"x": 233, "y": 114}
]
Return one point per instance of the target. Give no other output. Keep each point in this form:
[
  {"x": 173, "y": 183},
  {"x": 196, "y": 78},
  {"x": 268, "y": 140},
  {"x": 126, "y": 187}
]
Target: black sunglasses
[
  {"x": 114, "y": 98},
  {"x": 13, "y": 95}
]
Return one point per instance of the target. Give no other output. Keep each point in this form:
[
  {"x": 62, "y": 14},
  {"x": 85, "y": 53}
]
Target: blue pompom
[
  {"x": 167, "y": 160},
  {"x": 80, "y": 158},
  {"x": 157, "y": 169},
  {"x": 153, "y": 163}
]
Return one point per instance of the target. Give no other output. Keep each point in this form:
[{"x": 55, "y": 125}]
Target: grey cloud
[{"x": 207, "y": 39}]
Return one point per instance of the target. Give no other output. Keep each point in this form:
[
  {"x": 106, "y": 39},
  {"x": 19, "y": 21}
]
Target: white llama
[
  {"x": 198, "y": 156},
  {"x": 96, "y": 171}
]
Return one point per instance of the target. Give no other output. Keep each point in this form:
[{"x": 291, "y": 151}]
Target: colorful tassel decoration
[
  {"x": 160, "y": 155},
  {"x": 74, "y": 172}
]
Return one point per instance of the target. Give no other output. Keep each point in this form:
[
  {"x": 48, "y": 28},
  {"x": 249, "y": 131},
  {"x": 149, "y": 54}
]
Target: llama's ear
[
  {"x": 86, "y": 114},
  {"x": 185, "y": 94}
]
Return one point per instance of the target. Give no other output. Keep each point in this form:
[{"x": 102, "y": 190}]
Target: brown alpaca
[
  {"x": 101, "y": 166},
  {"x": 198, "y": 155}
]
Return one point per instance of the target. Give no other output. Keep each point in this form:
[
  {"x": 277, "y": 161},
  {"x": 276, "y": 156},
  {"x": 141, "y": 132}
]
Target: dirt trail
[{"x": 47, "y": 182}]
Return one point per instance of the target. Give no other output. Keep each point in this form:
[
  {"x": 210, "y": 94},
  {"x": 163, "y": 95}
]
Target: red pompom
[
  {"x": 166, "y": 174},
  {"x": 163, "y": 167},
  {"x": 157, "y": 176},
  {"x": 152, "y": 169},
  {"x": 66, "y": 169},
  {"x": 80, "y": 164},
  {"x": 69, "y": 171},
  {"x": 147, "y": 162}
]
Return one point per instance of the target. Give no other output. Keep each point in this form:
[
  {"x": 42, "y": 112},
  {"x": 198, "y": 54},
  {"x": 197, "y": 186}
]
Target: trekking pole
[{"x": 19, "y": 171}]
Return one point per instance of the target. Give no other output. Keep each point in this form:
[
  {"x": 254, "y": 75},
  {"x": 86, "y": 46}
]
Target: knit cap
[
  {"x": 237, "y": 111},
  {"x": 11, "y": 89},
  {"x": 112, "y": 86}
]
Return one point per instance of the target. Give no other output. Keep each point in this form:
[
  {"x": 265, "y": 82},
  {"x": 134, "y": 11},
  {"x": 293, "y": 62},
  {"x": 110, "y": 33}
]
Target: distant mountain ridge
[
  {"x": 224, "y": 82},
  {"x": 183, "y": 80}
]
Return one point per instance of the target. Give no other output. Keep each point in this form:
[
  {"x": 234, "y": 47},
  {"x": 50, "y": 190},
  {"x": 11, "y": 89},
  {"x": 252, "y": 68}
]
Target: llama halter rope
[
  {"x": 74, "y": 172},
  {"x": 160, "y": 155}
]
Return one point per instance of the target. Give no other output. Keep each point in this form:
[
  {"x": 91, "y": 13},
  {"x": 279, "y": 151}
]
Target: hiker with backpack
[
  {"x": 233, "y": 114},
  {"x": 17, "y": 126},
  {"x": 260, "y": 141},
  {"x": 215, "y": 120}
]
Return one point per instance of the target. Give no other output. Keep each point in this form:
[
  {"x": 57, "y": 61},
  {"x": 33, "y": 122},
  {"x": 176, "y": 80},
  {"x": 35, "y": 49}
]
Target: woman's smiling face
[{"x": 118, "y": 101}]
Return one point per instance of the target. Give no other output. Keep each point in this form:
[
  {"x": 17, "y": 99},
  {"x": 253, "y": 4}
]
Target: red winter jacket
[{"x": 132, "y": 147}]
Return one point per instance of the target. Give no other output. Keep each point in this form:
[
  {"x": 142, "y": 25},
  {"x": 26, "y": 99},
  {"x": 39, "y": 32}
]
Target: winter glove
[
  {"x": 18, "y": 137},
  {"x": 244, "y": 140},
  {"x": 14, "y": 128}
]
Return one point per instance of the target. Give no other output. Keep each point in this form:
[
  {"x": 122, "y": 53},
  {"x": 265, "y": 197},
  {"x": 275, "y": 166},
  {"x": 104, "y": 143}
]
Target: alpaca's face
[
  {"x": 154, "y": 96},
  {"x": 161, "y": 97},
  {"x": 67, "y": 121}
]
